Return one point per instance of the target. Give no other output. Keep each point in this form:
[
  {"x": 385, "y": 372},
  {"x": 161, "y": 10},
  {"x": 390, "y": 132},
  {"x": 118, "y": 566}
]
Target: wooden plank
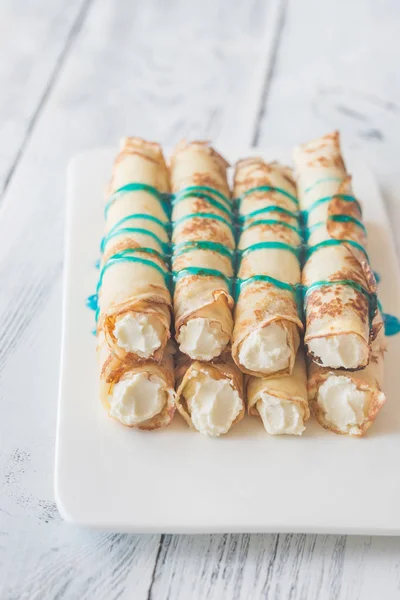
[
  {"x": 101, "y": 566},
  {"x": 337, "y": 68},
  {"x": 345, "y": 567},
  {"x": 162, "y": 71},
  {"x": 293, "y": 567},
  {"x": 214, "y": 567},
  {"x": 34, "y": 37}
]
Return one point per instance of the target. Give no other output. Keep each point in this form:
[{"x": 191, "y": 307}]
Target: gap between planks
[
  {"x": 274, "y": 30},
  {"x": 65, "y": 51},
  {"x": 274, "y": 38}
]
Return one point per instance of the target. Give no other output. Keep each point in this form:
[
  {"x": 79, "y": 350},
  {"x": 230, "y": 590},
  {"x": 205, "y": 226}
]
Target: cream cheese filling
[
  {"x": 213, "y": 404},
  {"x": 280, "y": 416},
  {"x": 137, "y": 399},
  {"x": 139, "y": 333},
  {"x": 343, "y": 404},
  {"x": 202, "y": 339},
  {"x": 265, "y": 350},
  {"x": 346, "y": 351}
]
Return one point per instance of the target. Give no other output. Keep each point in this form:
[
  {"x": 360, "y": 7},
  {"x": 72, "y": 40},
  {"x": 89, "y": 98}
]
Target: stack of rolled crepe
[
  {"x": 268, "y": 325},
  {"x": 343, "y": 327},
  {"x": 137, "y": 377},
  {"x": 210, "y": 395}
]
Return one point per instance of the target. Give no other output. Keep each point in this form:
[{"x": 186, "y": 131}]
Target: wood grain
[
  {"x": 290, "y": 567},
  {"x": 34, "y": 41},
  {"x": 160, "y": 70},
  {"x": 80, "y": 74},
  {"x": 335, "y": 69}
]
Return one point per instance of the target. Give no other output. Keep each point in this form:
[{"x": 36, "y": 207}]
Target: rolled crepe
[
  {"x": 139, "y": 394},
  {"x": 348, "y": 402},
  {"x": 209, "y": 395},
  {"x": 281, "y": 400},
  {"x": 203, "y": 247},
  {"x": 133, "y": 294},
  {"x": 340, "y": 288},
  {"x": 267, "y": 322}
]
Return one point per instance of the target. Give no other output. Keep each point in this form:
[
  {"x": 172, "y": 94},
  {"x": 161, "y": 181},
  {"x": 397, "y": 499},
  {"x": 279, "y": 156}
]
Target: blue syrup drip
[
  {"x": 97, "y": 264},
  {"x": 392, "y": 324},
  {"x": 377, "y": 277},
  {"x": 92, "y": 302}
]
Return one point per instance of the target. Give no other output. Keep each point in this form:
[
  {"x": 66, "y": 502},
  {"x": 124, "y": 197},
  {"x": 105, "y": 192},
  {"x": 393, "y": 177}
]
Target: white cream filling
[
  {"x": 213, "y": 404},
  {"x": 343, "y": 404},
  {"x": 347, "y": 351},
  {"x": 265, "y": 350},
  {"x": 137, "y": 399},
  {"x": 138, "y": 333},
  {"x": 280, "y": 416},
  {"x": 202, "y": 339}
]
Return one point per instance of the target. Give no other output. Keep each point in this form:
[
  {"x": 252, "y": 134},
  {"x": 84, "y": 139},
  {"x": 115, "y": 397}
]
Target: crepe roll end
[
  {"x": 137, "y": 399},
  {"x": 141, "y": 334},
  {"x": 202, "y": 339},
  {"x": 266, "y": 350},
  {"x": 280, "y": 416},
  {"x": 339, "y": 351},
  {"x": 213, "y": 404},
  {"x": 342, "y": 405}
]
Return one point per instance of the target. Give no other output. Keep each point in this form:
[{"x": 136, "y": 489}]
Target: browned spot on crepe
[
  {"x": 186, "y": 260},
  {"x": 196, "y": 229},
  {"x": 317, "y": 308},
  {"x": 130, "y": 244}
]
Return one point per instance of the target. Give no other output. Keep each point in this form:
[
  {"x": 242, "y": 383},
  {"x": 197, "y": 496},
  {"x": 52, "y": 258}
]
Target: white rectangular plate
[{"x": 116, "y": 478}]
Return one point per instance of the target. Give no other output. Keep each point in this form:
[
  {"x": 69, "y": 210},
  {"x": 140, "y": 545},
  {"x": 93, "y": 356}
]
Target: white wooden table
[{"x": 82, "y": 73}]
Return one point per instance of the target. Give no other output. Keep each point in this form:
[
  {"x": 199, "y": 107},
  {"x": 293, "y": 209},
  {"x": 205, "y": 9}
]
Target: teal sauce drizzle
[
  {"x": 276, "y": 245},
  {"x": 325, "y": 283},
  {"x": 97, "y": 264},
  {"x": 266, "y": 278},
  {"x": 142, "y": 216},
  {"x": 201, "y": 190},
  {"x": 391, "y": 323},
  {"x": 202, "y": 272},
  {"x": 210, "y": 216},
  {"x": 267, "y": 209},
  {"x": 196, "y": 192},
  {"x": 348, "y": 219},
  {"x": 271, "y": 222},
  {"x": 323, "y": 180},
  {"x": 267, "y": 188},
  {"x": 326, "y": 199},
  {"x": 244, "y": 222},
  {"x": 338, "y": 219},
  {"x": 128, "y": 256},
  {"x": 371, "y": 297},
  {"x": 296, "y": 290},
  {"x": 140, "y": 187},
  {"x": 209, "y": 199},
  {"x": 122, "y": 230},
  {"x": 377, "y": 277},
  {"x": 179, "y": 249},
  {"x": 331, "y": 242},
  {"x": 92, "y": 302},
  {"x": 185, "y": 247}
]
